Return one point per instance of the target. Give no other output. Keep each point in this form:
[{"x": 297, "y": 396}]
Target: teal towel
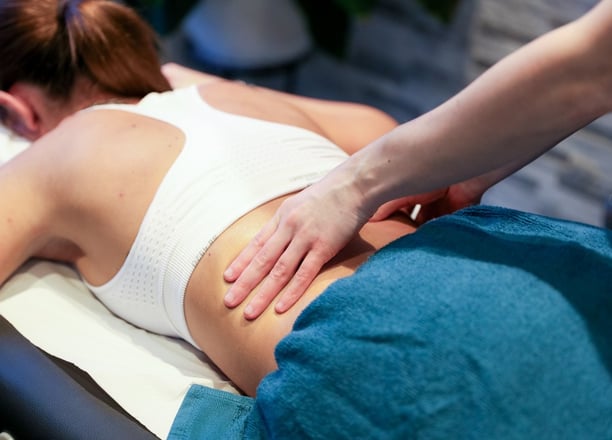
[{"x": 486, "y": 324}]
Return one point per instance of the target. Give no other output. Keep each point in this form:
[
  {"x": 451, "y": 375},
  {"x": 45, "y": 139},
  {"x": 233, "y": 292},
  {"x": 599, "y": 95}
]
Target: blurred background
[{"x": 402, "y": 56}]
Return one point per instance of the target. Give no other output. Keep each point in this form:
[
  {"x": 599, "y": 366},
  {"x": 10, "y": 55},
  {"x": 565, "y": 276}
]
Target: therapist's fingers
[
  {"x": 305, "y": 274},
  {"x": 286, "y": 270},
  {"x": 244, "y": 258},
  {"x": 407, "y": 204},
  {"x": 390, "y": 208},
  {"x": 254, "y": 262}
]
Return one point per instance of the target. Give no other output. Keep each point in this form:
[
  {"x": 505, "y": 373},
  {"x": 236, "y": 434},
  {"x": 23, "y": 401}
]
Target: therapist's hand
[
  {"x": 307, "y": 231},
  {"x": 433, "y": 204}
]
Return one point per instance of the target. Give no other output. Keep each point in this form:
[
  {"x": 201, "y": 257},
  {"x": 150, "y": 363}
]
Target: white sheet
[
  {"x": 10, "y": 145},
  {"x": 147, "y": 374}
]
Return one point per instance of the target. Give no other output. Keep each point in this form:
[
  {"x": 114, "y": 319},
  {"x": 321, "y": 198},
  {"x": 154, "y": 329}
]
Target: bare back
[{"x": 102, "y": 181}]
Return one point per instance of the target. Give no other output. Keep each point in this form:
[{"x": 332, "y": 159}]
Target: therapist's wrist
[{"x": 369, "y": 179}]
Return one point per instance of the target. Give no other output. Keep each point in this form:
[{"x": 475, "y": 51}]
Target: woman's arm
[
  {"x": 519, "y": 108},
  {"x": 22, "y": 213}
]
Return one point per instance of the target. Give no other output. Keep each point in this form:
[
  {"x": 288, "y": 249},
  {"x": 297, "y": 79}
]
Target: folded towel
[{"x": 489, "y": 323}]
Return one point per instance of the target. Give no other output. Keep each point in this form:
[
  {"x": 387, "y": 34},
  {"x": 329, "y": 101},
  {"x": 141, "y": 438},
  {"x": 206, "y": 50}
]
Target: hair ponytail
[
  {"x": 52, "y": 42},
  {"x": 67, "y": 12}
]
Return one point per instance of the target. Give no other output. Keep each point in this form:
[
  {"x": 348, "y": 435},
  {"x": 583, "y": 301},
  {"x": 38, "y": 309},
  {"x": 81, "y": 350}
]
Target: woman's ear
[{"x": 19, "y": 114}]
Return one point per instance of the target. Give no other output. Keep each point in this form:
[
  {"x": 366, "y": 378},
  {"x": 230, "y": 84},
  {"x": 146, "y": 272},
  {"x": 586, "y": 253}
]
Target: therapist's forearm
[{"x": 514, "y": 112}]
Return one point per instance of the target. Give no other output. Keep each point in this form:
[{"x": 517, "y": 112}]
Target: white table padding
[{"x": 147, "y": 374}]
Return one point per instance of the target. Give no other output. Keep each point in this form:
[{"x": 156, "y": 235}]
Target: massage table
[
  {"x": 489, "y": 323},
  {"x": 53, "y": 330}
]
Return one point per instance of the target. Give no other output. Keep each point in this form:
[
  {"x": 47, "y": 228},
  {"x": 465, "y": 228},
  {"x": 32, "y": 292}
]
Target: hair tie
[
  {"x": 68, "y": 12},
  {"x": 67, "y": 9}
]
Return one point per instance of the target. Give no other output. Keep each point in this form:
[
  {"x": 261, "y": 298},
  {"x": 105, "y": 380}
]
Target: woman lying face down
[{"x": 150, "y": 193}]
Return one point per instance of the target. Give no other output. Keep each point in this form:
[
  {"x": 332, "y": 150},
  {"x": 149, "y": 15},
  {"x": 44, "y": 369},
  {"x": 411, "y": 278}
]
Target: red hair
[{"x": 51, "y": 43}]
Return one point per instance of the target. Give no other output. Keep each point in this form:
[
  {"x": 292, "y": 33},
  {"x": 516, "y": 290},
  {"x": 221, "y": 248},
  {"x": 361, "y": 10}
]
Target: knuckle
[
  {"x": 321, "y": 253},
  {"x": 292, "y": 220},
  {"x": 261, "y": 259},
  {"x": 303, "y": 274},
  {"x": 259, "y": 240},
  {"x": 280, "y": 271}
]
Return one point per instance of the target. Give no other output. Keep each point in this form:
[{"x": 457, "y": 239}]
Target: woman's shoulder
[
  {"x": 73, "y": 143},
  {"x": 97, "y": 149},
  {"x": 107, "y": 131},
  {"x": 83, "y": 127}
]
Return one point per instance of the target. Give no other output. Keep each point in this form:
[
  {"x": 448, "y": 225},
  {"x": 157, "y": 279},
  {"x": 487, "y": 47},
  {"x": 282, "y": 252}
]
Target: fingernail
[
  {"x": 229, "y": 298},
  {"x": 228, "y": 274},
  {"x": 248, "y": 310}
]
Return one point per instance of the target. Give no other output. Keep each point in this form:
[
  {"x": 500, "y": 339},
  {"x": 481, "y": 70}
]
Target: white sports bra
[{"x": 228, "y": 166}]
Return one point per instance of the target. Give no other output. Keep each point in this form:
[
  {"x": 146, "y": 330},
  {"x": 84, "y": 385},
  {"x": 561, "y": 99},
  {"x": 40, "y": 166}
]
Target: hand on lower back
[{"x": 307, "y": 231}]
